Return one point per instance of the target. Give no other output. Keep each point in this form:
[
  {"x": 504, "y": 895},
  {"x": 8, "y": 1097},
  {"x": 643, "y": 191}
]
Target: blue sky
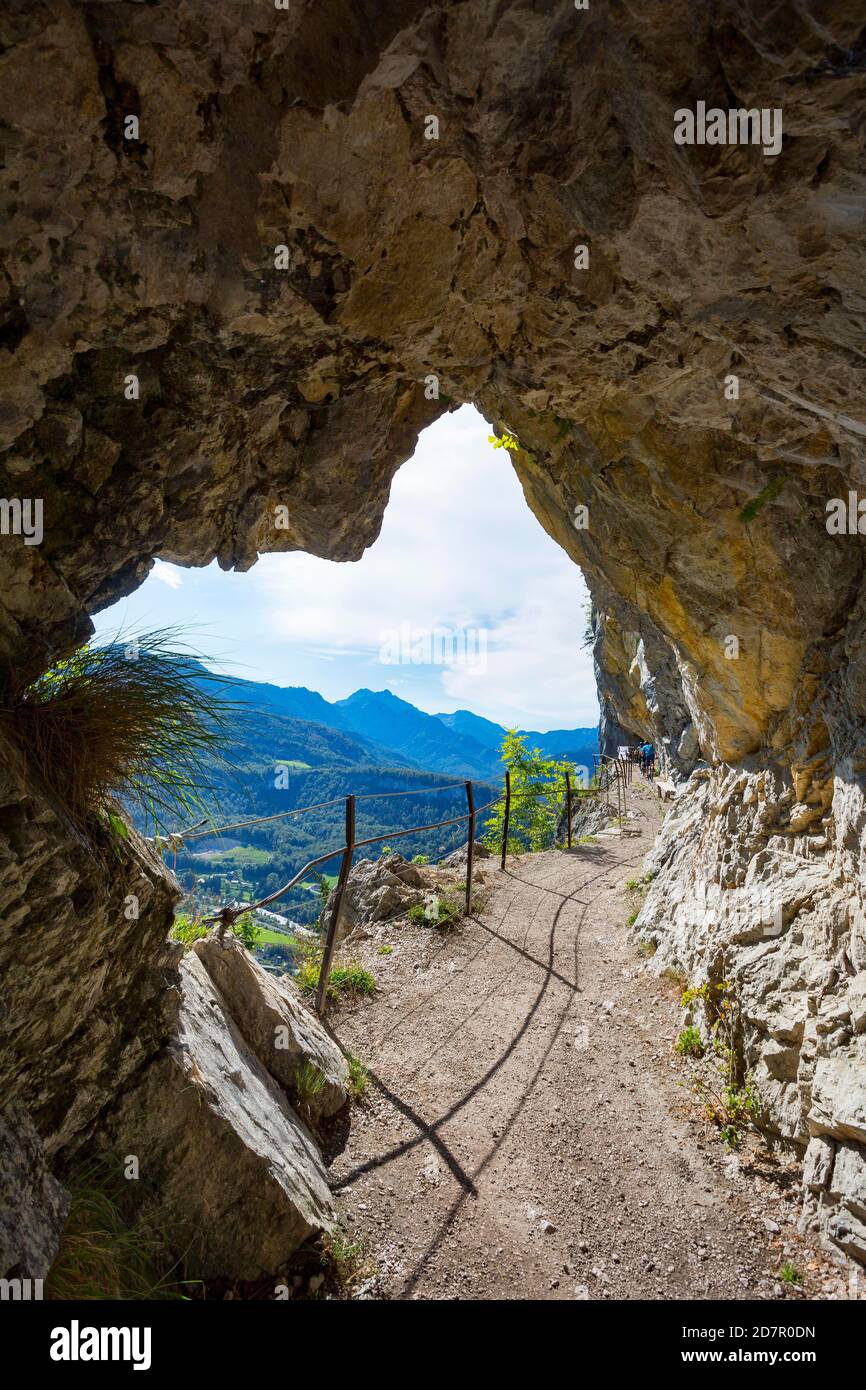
[{"x": 463, "y": 602}]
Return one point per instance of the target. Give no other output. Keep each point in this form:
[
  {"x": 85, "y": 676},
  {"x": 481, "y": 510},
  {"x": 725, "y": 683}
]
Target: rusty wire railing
[
  {"x": 229, "y": 914},
  {"x": 608, "y": 772},
  {"x": 352, "y": 844}
]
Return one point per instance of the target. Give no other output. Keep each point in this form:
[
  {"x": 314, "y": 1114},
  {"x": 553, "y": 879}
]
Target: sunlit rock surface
[{"x": 228, "y": 1172}]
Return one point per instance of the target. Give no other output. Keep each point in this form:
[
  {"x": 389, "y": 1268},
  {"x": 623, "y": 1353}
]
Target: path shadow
[{"x": 430, "y": 1131}]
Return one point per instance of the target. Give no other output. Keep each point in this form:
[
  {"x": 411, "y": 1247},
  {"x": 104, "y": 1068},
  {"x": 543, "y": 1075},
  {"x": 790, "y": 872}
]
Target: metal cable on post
[
  {"x": 334, "y": 924},
  {"x": 470, "y": 846},
  {"x": 506, "y": 817}
]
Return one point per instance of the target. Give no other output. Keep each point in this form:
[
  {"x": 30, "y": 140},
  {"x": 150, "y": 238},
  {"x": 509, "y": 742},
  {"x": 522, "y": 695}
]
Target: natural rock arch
[{"x": 406, "y": 257}]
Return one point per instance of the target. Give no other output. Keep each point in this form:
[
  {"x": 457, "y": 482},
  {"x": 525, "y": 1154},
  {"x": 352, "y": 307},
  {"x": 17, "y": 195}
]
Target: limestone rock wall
[
  {"x": 751, "y": 891},
  {"x": 84, "y": 959}
]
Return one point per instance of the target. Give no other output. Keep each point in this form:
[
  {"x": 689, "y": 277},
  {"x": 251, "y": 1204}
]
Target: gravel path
[{"x": 527, "y": 1134}]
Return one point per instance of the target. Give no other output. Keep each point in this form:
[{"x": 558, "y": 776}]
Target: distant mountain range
[
  {"x": 286, "y": 747},
  {"x": 379, "y": 728},
  {"x": 573, "y": 744}
]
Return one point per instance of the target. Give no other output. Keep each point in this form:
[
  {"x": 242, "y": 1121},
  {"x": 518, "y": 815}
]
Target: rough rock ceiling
[{"x": 303, "y": 386}]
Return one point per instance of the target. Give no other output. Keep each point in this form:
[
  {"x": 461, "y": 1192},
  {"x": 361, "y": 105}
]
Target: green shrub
[
  {"x": 187, "y": 929},
  {"x": 690, "y": 1043},
  {"x": 732, "y": 1110},
  {"x": 695, "y": 992},
  {"x": 732, "y": 1101},
  {"x": 309, "y": 970},
  {"x": 441, "y": 911},
  {"x": 537, "y": 795}
]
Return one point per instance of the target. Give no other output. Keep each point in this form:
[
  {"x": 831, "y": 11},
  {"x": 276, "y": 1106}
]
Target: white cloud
[
  {"x": 537, "y": 674},
  {"x": 459, "y": 549},
  {"x": 167, "y": 574}
]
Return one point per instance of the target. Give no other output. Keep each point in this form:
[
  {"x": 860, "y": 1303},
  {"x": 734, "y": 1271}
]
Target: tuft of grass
[
  {"x": 632, "y": 917},
  {"x": 385, "y": 950},
  {"x": 129, "y": 718},
  {"x": 790, "y": 1274},
  {"x": 307, "y": 1083},
  {"x": 358, "y": 1078},
  {"x": 444, "y": 909},
  {"x": 309, "y": 970},
  {"x": 188, "y": 929},
  {"x": 675, "y": 975},
  {"x": 343, "y": 979},
  {"x": 690, "y": 1043},
  {"x": 639, "y": 885},
  {"x": 420, "y": 858},
  {"x": 647, "y": 948},
  {"x": 346, "y": 1260},
  {"x": 352, "y": 979},
  {"x": 101, "y": 1254}
]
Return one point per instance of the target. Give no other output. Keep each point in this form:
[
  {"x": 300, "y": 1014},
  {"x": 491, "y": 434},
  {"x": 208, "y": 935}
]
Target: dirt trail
[{"x": 526, "y": 1135}]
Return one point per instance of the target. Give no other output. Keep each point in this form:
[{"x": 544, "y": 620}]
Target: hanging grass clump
[{"x": 132, "y": 719}]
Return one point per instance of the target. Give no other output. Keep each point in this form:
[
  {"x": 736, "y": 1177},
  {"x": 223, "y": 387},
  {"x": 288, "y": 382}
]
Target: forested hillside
[{"x": 270, "y": 764}]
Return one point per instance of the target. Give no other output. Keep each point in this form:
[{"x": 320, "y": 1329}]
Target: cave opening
[
  {"x": 463, "y": 600},
  {"x": 462, "y": 621}
]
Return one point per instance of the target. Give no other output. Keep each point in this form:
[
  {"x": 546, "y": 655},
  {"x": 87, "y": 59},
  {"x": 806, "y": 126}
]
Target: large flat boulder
[
  {"x": 281, "y": 1032},
  {"x": 226, "y": 1166}
]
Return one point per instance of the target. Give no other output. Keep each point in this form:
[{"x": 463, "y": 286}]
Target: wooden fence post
[
  {"x": 506, "y": 817},
  {"x": 333, "y": 925},
  {"x": 470, "y": 846},
  {"x": 568, "y": 807}
]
